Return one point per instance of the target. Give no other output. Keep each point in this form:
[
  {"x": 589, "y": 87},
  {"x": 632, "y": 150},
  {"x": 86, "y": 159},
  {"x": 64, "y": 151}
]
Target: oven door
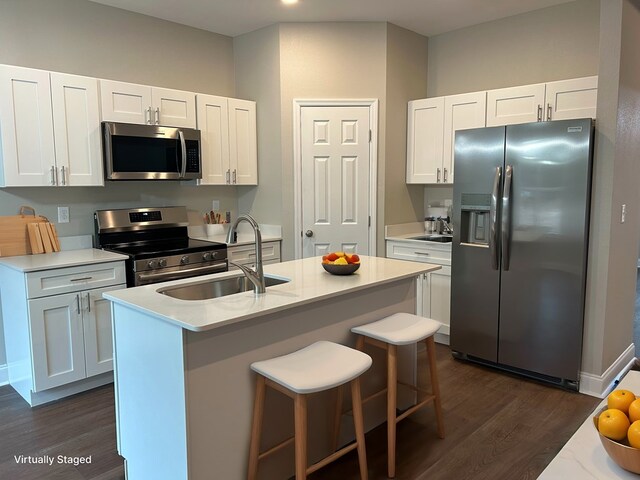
[
  {"x": 177, "y": 273},
  {"x": 150, "y": 152}
]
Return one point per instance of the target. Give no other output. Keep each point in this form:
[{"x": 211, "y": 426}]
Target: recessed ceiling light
[{"x": 289, "y": 2}]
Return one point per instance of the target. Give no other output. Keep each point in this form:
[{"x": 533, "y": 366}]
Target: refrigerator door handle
[
  {"x": 493, "y": 235},
  {"x": 506, "y": 218}
]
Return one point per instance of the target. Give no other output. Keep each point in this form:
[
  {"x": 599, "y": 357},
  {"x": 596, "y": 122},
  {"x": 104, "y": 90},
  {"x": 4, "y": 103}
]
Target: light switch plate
[
  {"x": 215, "y": 205},
  {"x": 624, "y": 213},
  {"x": 63, "y": 214}
]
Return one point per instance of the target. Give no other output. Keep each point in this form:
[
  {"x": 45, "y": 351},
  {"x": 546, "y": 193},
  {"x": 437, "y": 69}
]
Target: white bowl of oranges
[
  {"x": 618, "y": 426},
  {"x": 341, "y": 263}
]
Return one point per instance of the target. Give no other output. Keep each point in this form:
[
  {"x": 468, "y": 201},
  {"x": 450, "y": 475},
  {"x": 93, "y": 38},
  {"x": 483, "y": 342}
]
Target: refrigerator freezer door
[
  {"x": 542, "y": 292},
  {"x": 479, "y": 158}
]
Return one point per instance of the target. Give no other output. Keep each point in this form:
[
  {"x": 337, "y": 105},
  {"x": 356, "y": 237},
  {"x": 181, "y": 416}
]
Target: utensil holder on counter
[{"x": 214, "y": 229}]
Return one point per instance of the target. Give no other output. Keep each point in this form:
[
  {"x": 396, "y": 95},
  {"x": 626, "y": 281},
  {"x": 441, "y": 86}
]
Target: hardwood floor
[{"x": 497, "y": 427}]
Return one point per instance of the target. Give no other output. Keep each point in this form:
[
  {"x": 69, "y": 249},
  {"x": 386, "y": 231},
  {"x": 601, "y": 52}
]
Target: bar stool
[
  {"x": 318, "y": 367},
  {"x": 388, "y": 333}
]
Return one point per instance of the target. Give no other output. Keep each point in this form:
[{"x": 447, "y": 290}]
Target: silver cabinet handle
[
  {"x": 506, "y": 218},
  {"x": 438, "y": 175},
  {"x": 234, "y": 176},
  {"x": 549, "y": 110},
  {"x": 88, "y": 302},
  {"x": 445, "y": 176},
  {"x": 157, "y": 115},
  {"x": 539, "y": 113},
  {"x": 53, "y": 175},
  {"x": 78, "y": 303},
  {"x": 82, "y": 279},
  {"x": 422, "y": 253},
  {"x": 228, "y": 177},
  {"x": 183, "y": 148},
  {"x": 493, "y": 212},
  {"x": 63, "y": 174},
  {"x": 147, "y": 115}
]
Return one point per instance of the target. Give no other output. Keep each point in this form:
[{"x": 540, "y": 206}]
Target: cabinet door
[
  {"x": 243, "y": 149},
  {"x": 509, "y": 106},
  {"x": 440, "y": 297},
  {"x": 569, "y": 99},
  {"x": 460, "y": 112},
  {"x": 57, "y": 344},
  {"x": 125, "y": 102},
  {"x": 213, "y": 123},
  {"x": 76, "y": 121},
  {"x": 174, "y": 108},
  {"x": 28, "y": 155},
  {"x": 425, "y": 137},
  {"x": 98, "y": 339}
]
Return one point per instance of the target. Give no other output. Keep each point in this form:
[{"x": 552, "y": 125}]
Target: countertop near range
[
  {"x": 70, "y": 258},
  {"x": 308, "y": 282},
  {"x": 583, "y": 456},
  {"x": 270, "y": 233}
]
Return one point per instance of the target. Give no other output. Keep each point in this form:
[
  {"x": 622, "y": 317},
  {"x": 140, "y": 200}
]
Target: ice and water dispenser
[{"x": 475, "y": 218}]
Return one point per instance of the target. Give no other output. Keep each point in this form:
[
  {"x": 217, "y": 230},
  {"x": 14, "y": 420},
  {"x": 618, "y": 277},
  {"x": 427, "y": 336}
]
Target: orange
[
  {"x": 634, "y": 410},
  {"x": 634, "y": 434},
  {"x": 620, "y": 399},
  {"x": 613, "y": 424}
]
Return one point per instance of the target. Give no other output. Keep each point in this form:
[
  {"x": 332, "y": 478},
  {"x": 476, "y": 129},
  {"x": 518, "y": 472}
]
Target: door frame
[{"x": 298, "y": 104}]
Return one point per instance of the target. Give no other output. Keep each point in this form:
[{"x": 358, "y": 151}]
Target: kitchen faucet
[{"x": 255, "y": 276}]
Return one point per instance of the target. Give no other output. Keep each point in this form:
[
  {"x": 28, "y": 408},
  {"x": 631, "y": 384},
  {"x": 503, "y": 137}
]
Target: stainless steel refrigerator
[{"x": 519, "y": 254}]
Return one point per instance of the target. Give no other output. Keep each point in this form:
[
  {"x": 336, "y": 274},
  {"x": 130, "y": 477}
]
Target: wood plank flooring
[{"x": 498, "y": 427}]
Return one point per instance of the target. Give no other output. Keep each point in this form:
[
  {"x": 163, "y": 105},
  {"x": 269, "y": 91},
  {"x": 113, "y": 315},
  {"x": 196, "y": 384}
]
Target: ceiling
[{"x": 235, "y": 17}]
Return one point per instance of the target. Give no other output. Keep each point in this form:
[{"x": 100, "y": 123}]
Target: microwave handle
[{"x": 183, "y": 147}]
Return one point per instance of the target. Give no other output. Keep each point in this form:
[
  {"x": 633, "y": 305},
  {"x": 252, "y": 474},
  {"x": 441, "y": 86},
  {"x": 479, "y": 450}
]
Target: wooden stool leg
[
  {"x": 392, "y": 386},
  {"x": 358, "y": 423},
  {"x": 256, "y": 428},
  {"x": 300, "y": 423},
  {"x": 435, "y": 386},
  {"x": 336, "y": 420}
]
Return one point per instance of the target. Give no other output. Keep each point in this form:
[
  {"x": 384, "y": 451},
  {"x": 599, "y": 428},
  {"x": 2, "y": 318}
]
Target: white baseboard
[
  {"x": 4, "y": 375},
  {"x": 600, "y": 385}
]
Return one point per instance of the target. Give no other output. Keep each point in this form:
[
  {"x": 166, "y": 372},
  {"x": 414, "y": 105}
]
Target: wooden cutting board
[{"x": 14, "y": 233}]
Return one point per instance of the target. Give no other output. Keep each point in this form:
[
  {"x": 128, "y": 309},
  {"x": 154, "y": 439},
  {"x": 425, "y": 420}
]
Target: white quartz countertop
[
  {"x": 583, "y": 456},
  {"x": 69, "y": 258},
  {"x": 308, "y": 282},
  {"x": 243, "y": 239},
  {"x": 406, "y": 232},
  {"x": 270, "y": 233}
]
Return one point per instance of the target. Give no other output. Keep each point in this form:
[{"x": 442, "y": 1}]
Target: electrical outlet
[
  {"x": 215, "y": 205},
  {"x": 63, "y": 214},
  {"x": 228, "y": 217},
  {"x": 624, "y": 213}
]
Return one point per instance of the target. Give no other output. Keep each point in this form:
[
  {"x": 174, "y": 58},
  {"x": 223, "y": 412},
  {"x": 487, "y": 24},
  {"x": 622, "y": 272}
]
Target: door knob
[{"x": 309, "y": 233}]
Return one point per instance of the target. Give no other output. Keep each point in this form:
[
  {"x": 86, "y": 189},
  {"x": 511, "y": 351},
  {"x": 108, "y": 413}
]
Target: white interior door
[{"x": 335, "y": 175}]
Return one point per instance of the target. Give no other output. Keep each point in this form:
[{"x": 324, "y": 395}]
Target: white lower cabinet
[
  {"x": 246, "y": 254},
  {"x": 60, "y": 341},
  {"x": 434, "y": 288}
]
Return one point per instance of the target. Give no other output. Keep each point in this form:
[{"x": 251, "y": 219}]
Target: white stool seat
[
  {"x": 399, "y": 329},
  {"x": 320, "y": 366}
]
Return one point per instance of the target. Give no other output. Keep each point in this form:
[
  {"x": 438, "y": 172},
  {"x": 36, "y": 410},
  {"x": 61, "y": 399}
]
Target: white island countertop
[
  {"x": 308, "y": 282},
  {"x": 583, "y": 456},
  {"x": 69, "y": 258}
]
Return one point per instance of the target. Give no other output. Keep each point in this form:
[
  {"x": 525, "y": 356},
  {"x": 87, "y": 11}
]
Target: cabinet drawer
[
  {"x": 73, "y": 279},
  {"x": 418, "y": 253},
  {"x": 247, "y": 253}
]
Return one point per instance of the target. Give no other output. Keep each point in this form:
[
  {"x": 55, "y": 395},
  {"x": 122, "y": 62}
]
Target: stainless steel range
[{"x": 158, "y": 245}]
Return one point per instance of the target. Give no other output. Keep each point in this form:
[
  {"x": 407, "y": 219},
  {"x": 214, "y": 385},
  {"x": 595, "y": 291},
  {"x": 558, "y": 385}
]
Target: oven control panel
[{"x": 190, "y": 259}]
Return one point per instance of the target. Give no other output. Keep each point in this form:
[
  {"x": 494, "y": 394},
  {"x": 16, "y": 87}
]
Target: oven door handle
[{"x": 177, "y": 274}]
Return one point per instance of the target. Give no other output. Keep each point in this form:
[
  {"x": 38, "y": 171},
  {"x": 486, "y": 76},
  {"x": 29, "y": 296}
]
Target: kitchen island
[{"x": 184, "y": 389}]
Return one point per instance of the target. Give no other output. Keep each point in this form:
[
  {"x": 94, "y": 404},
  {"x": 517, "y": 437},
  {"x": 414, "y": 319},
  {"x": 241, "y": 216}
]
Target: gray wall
[
  {"x": 85, "y": 38},
  {"x": 554, "y": 43}
]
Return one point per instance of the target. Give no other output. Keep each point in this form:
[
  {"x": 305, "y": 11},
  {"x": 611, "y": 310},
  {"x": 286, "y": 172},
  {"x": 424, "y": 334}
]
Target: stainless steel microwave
[{"x": 150, "y": 152}]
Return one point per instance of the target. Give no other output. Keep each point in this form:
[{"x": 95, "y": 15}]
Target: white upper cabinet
[
  {"x": 575, "y": 98},
  {"x": 26, "y": 126},
  {"x": 509, "y": 106},
  {"x": 37, "y": 107},
  {"x": 461, "y": 112},
  {"x": 243, "y": 148},
  {"x": 142, "y": 104},
  {"x": 425, "y": 135},
  {"x": 76, "y": 127},
  {"x": 229, "y": 140},
  {"x": 213, "y": 123}
]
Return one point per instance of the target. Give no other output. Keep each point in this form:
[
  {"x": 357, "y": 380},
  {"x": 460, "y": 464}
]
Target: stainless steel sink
[
  {"x": 434, "y": 238},
  {"x": 215, "y": 288}
]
